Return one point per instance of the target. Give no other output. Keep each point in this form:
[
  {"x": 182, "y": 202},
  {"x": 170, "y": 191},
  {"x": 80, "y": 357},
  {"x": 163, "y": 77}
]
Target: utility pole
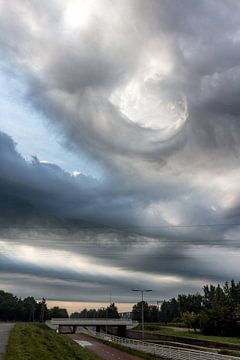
[
  {"x": 159, "y": 303},
  {"x": 142, "y": 291},
  {"x": 110, "y": 300},
  {"x": 42, "y": 310},
  {"x": 33, "y": 312}
]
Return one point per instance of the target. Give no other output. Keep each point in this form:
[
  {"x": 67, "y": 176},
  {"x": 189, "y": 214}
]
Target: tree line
[
  {"x": 13, "y": 308},
  {"x": 215, "y": 312},
  {"x": 110, "y": 312}
]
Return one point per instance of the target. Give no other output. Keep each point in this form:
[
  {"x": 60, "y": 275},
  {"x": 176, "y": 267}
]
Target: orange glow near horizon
[{"x": 73, "y": 306}]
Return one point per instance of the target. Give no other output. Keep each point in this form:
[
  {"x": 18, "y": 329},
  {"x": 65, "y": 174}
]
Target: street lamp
[
  {"x": 110, "y": 301},
  {"x": 142, "y": 291}
]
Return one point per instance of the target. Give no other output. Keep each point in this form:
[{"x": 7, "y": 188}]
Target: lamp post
[
  {"x": 142, "y": 291},
  {"x": 110, "y": 301}
]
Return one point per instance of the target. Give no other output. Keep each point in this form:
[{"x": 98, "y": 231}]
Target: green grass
[
  {"x": 37, "y": 342},
  {"x": 167, "y": 330},
  {"x": 229, "y": 352}
]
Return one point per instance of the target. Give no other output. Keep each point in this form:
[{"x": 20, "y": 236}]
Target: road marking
[{"x": 83, "y": 343}]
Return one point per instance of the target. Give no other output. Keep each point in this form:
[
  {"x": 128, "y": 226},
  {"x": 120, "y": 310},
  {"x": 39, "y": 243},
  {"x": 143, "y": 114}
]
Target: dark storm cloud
[
  {"x": 42, "y": 189},
  {"x": 151, "y": 90},
  {"x": 45, "y": 189}
]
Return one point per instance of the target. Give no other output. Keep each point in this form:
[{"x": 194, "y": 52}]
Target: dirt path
[
  {"x": 4, "y": 333},
  {"x": 106, "y": 352}
]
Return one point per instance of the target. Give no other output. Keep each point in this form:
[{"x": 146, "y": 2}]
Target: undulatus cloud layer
[{"x": 150, "y": 90}]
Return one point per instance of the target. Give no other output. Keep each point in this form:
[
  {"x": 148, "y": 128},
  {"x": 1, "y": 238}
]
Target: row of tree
[
  {"x": 171, "y": 311},
  {"x": 111, "y": 312},
  {"x": 215, "y": 312},
  {"x": 13, "y": 308}
]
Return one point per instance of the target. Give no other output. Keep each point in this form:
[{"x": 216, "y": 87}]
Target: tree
[
  {"x": 153, "y": 313},
  {"x": 92, "y": 313},
  {"x": 220, "y": 312},
  {"x": 112, "y": 312},
  {"x": 75, "y": 315},
  {"x": 42, "y": 310},
  {"x": 57, "y": 312},
  {"x": 191, "y": 303},
  {"x": 137, "y": 311},
  {"x": 8, "y": 306},
  {"x": 29, "y": 305},
  {"x": 84, "y": 313},
  {"x": 169, "y": 311},
  {"x": 191, "y": 320}
]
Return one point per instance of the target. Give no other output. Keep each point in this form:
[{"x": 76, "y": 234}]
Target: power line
[{"x": 90, "y": 227}]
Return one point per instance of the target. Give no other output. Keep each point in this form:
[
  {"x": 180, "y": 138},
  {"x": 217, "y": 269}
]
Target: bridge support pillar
[
  {"x": 121, "y": 331},
  {"x": 74, "y": 329},
  {"x": 98, "y": 327}
]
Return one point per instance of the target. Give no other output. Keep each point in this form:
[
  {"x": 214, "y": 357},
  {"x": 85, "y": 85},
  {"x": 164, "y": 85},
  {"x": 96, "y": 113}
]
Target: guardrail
[{"x": 165, "y": 351}]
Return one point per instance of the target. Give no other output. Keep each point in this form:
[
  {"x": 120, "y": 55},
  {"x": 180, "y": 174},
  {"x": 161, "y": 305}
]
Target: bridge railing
[
  {"x": 94, "y": 321},
  {"x": 165, "y": 351}
]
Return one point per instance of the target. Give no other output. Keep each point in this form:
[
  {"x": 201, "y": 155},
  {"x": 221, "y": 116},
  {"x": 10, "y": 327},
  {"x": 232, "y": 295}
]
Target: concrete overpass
[{"x": 73, "y": 324}]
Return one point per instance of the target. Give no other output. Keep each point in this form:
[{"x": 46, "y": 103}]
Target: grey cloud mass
[{"x": 150, "y": 90}]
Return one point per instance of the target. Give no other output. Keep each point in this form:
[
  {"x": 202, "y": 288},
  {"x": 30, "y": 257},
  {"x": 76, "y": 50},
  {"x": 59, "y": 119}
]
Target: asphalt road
[
  {"x": 104, "y": 351},
  {"x": 4, "y": 333}
]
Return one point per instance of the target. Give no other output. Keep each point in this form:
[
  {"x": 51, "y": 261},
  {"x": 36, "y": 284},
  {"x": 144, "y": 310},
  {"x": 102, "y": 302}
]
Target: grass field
[
  {"x": 37, "y": 342},
  {"x": 167, "y": 330}
]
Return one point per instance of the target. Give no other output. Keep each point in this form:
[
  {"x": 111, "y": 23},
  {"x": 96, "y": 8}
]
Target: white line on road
[{"x": 83, "y": 343}]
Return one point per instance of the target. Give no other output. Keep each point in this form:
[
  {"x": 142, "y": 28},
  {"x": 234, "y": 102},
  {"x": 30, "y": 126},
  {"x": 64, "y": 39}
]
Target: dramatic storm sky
[{"x": 119, "y": 147}]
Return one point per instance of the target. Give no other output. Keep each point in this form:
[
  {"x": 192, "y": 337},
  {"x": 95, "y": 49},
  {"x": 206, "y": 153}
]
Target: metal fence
[{"x": 165, "y": 351}]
